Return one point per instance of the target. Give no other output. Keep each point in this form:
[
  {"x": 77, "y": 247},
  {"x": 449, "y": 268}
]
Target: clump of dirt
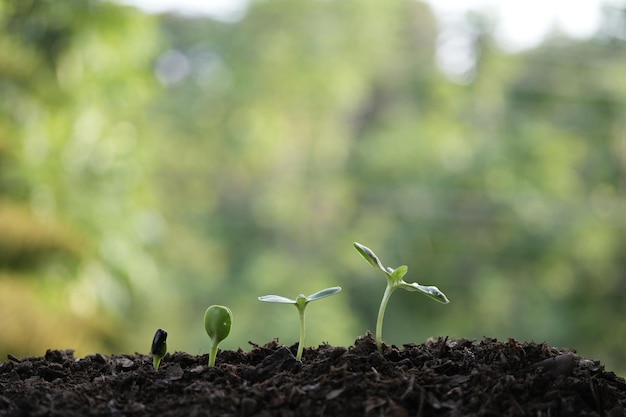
[{"x": 442, "y": 377}]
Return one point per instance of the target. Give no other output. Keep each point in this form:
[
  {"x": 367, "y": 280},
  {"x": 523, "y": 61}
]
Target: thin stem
[
  {"x": 212, "y": 353},
  {"x": 381, "y": 314},
  {"x": 301, "y": 343}
]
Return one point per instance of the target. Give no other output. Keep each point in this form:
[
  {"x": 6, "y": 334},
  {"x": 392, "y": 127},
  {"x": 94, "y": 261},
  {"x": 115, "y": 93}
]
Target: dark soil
[{"x": 439, "y": 378}]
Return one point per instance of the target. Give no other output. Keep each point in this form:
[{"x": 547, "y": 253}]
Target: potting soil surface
[{"x": 442, "y": 377}]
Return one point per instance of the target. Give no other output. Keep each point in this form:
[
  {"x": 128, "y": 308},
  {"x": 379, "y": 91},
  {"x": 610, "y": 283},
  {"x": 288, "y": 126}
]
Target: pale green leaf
[
  {"x": 369, "y": 256},
  {"x": 276, "y": 299},
  {"x": 323, "y": 293},
  {"x": 429, "y": 290}
]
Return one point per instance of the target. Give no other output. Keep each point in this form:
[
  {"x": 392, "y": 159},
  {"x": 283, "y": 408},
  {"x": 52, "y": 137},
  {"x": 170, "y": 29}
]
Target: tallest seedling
[{"x": 394, "y": 280}]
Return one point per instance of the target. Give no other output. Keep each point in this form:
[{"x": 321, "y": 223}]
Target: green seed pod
[{"x": 217, "y": 322}]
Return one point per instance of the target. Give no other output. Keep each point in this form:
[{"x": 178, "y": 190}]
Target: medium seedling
[
  {"x": 159, "y": 347},
  {"x": 301, "y": 302},
  {"x": 394, "y": 281},
  {"x": 217, "y": 323}
]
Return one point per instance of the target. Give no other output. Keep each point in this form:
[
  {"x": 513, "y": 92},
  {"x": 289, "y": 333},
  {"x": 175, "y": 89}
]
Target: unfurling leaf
[{"x": 397, "y": 274}]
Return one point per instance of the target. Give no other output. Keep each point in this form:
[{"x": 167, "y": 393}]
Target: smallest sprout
[
  {"x": 217, "y": 323},
  {"x": 159, "y": 347}
]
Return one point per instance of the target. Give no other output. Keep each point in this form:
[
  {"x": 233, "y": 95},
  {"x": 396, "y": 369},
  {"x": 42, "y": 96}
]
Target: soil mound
[{"x": 442, "y": 377}]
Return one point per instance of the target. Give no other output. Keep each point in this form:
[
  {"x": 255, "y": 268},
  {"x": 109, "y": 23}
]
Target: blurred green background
[{"x": 153, "y": 165}]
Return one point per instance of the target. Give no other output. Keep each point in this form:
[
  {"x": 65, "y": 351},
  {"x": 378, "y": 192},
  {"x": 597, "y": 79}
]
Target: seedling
[
  {"x": 394, "y": 281},
  {"x": 301, "y": 302},
  {"x": 159, "y": 347},
  {"x": 217, "y": 322}
]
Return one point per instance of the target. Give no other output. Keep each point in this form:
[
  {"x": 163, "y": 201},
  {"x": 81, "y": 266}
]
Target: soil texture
[{"x": 442, "y": 377}]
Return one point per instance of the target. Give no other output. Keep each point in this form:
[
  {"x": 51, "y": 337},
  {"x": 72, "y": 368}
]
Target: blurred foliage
[
  {"x": 153, "y": 166},
  {"x": 73, "y": 79}
]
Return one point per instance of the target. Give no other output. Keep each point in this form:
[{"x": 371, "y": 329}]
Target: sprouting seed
[{"x": 159, "y": 347}]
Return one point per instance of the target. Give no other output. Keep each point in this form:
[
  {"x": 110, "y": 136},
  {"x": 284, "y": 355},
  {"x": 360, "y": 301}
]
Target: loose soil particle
[{"x": 442, "y": 377}]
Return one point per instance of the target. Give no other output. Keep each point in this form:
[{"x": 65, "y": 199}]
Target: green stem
[
  {"x": 301, "y": 343},
  {"x": 212, "y": 353},
  {"x": 381, "y": 314},
  {"x": 156, "y": 361}
]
